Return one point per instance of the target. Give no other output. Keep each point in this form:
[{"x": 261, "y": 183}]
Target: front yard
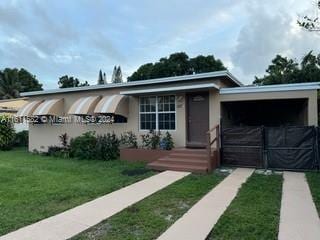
[
  {"x": 255, "y": 211},
  {"x": 34, "y": 187},
  {"x": 152, "y": 216}
]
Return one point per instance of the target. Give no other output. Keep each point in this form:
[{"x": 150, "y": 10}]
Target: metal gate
[
  {"x": 293, "y": 148},
  {"x": 242, "y": 146}
]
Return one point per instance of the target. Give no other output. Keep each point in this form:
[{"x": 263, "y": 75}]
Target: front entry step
[{"x": 183, "y": 159}]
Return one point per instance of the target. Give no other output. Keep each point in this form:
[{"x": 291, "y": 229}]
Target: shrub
[
  {"x": 7, "y": 133},
  {"x": 64, "y": 140},
  {"x": 129, "y": 140},
  {"x": 21, "y": 139},
  {"x": 107, "y": 147},
  {"x": 166, "y": 142},
  {"x": 60, "y": 151},
  {"x": 151, "y": 140},
  {"x": 84, "y": 146}
]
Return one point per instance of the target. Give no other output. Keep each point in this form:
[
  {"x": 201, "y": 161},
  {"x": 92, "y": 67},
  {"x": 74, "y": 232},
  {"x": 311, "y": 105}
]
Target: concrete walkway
[
  {"x": 198, "y": 222},
  {"x": 299, "y": 218},
  {"x": 76, "y": 220}
]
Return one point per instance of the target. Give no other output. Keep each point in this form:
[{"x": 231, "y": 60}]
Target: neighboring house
[
  {"x": 11, "y": 107},
  {"x": 186, "y": 106}
]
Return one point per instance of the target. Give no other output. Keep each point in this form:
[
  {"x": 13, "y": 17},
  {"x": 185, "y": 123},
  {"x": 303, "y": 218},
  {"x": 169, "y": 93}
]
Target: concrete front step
[
  {"x": 158, "y": 165},
  {"x": 183, "y": 161}
]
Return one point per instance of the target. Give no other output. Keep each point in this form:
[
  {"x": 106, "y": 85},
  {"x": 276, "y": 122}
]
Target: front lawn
[
  {"x": 34, "y": 187},
  {"x": 314, "y": 185},
  {"x": 254, "y": 213},
  {"x": 153, "y": 215}
]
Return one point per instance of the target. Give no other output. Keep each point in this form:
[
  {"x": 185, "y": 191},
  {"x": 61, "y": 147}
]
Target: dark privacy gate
[{"x": 271, "y": 147}]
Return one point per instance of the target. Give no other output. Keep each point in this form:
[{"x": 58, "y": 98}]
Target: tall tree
[
  {"x": 311, "y": 23},
  {"x": 283, "y": 70},
  {"x": 177, "y": 64},
  {"x": 68, "y": 82},
  {"x": 117, "y": 75},
  {"x": 14, "y": 81},
  {"x": 9, "y": 84},
  {"x": 101, "y": 78}
]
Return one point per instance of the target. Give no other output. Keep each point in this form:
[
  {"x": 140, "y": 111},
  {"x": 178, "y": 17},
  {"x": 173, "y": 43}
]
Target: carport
[{"x": 270, "y": 126}]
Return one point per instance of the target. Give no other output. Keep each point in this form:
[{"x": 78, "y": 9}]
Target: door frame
[{"x": 187, "y": 94}]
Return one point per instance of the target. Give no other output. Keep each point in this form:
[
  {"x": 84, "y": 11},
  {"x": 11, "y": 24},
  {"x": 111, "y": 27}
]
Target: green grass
[
  {"x": 254, "y": 213},
  {"x": 34, "y": 187},
  {"x": 153, "y": 215},
  {"x": 314, "y": 185}
]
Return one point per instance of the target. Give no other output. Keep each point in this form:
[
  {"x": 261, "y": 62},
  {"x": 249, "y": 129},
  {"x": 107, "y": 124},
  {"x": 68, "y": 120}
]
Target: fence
[{"x": 293, "y": 148}]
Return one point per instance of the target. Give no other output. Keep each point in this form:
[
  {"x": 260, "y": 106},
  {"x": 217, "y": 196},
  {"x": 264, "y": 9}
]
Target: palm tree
[{"x": 9, "y": 84}]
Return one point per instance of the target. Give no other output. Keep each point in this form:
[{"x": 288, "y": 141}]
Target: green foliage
[
  {"x": 129, "y": 140},
  {"x": 166, "y": 142},
  {"x": 151, "y": 140},
  {"x": 314, "y": 183},
  {"x": 107, "y": 147},
  {"x": 83, "y": 147},
  {"x": 88, "y": 146},
  {"x": 68, "y": 82},
  {"x": 64, "y": 140},
  {"x": 116, "y": 75},
  {"x": 176, "y": 65},
  {"x": 13, "y": 81},
  {"x": 310, "y": 23},
  {"x": 22, "y": 139},
  {"x": 7, "y": 133},
  {"x": 284, "y": 70}
]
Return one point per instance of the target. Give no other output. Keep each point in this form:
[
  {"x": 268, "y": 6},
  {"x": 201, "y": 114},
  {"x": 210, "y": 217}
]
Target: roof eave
[{"x": 190, "y": 77}]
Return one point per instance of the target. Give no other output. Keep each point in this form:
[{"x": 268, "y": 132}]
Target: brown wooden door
[{"x": 197, "y": 119}]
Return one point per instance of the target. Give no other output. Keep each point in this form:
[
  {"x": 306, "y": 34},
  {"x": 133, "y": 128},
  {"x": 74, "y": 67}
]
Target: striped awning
[
  {"x": 114, "y": 104},
  {"x": 52, "y": 107},
  {"x": 28, "y": 109},
  {"x": 84, "y": 106}
]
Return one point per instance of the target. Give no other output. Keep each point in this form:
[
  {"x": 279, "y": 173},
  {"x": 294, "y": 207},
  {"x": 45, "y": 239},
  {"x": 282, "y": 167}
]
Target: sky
[{"x": 80, "y": 37}]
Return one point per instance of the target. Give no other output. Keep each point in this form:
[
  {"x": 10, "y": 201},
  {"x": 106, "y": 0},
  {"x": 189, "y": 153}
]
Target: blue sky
[{"x": 79, "y": 37}]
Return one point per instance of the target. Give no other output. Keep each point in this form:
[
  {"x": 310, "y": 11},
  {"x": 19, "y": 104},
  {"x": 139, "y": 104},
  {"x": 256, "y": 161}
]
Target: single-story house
[{"x": 186, "y": 106}]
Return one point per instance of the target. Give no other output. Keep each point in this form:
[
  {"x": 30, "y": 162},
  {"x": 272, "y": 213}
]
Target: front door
[{"x": 197, "y": 119}]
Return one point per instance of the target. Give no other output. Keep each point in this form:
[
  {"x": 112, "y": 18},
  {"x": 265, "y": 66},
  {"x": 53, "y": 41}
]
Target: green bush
[
  {"x": 107, "y": 147},
  {"x": 129, "y": 140},
  {"x": 151, "y": 140},
  {"x": 84, "y": 146},
  {"x": 166, "y": 142},
  {"x": 22, "y": 139},
  {"x": 62, "y": 151},
  {"x": 7, "y": 133},
  {"x": 88, "y": 146}
]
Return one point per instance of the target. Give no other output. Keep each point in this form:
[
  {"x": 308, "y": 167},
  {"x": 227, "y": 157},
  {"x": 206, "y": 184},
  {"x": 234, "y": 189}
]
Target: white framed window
[{"x": 158, "y": 112}]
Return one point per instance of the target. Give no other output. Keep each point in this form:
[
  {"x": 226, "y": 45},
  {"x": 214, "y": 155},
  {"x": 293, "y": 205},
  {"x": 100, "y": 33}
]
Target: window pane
[
  {"x": 166, "y": 121},
  {"x": 172, "y": 107}
]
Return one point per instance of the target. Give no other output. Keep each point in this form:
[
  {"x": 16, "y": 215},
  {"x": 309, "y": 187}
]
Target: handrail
[
  {"x": 212, "y": 129},
  {"x": 210, "y": 142}
]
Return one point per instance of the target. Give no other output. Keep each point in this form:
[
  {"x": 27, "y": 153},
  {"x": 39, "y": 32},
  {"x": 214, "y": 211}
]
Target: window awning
[
  {"x": 114, "y": 104},
  {"x": 52, "y": 107},
  {"x": 84, "y": 106},
  {"x": 28, "y": 109}
]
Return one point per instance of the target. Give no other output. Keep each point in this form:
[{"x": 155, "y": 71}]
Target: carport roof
[{"x": 272, "y": 88}]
